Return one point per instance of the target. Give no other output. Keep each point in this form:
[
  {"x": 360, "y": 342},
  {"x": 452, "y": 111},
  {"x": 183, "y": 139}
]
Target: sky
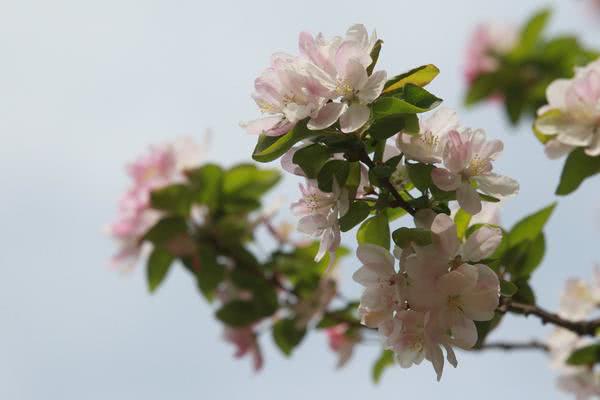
[{"x": 87, "y": 86}]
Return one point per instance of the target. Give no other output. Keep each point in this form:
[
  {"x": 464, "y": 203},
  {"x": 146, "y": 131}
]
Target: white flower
[
  {"x": 428, "y": 145},
  {"x": 584, "y": 384},
  {"x": 468, "y": 160},
  {"x": 384, "y": 286},
  {"x": 319, "y": 212},
  {"x": 572, "y": 115},
  {"x": 356, "y": 90}
]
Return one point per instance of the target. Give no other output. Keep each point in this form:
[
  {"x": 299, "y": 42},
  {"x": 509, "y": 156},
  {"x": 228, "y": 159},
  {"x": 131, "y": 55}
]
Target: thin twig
[
  {"x": 509, "y": 346},
  {"x": 582, "y": 328}
]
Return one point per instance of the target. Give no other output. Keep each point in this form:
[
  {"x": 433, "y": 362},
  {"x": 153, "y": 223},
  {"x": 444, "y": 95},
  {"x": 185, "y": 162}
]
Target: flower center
[
  {"x": 344, "y": 89},
  {"x": 476, "y": 167}
]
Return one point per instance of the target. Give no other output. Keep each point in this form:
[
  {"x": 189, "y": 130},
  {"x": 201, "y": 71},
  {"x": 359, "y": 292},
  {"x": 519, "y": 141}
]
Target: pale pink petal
[
  {"x": 445, "y": 180},
  {"x": 354, "y": 117},
  {"x": 468, "y": 199},
  {"x": 497, "y": 185},
  {"x": 373, "y": 87},
  {"x": 444, "y": 234},
  {"x": 482, "y": 243},
  {"x": 328, "y": 115},
  {"x": 555, "y": 149}
]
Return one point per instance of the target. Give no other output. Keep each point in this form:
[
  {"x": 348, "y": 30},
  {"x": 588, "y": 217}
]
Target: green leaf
[
  {"x": 311, "y": 158},
  {"x": 287, "y": 335},
  {"x": 412, "y": 100},
  {"x": 358, "y": 211},
  {"x": 462, "y": 220},
  {"x": 157, "y": 267},
  {"x": 269, "y": 148},
  {"x": 525, "y": 293},
  {"x": 374, "y": 55},
  {"x": 420, "y": 175},
  {"x": 588, "y": 355},
  {"x": 333, "y": 168},
  {"x": 386, "y": 359},
  {"x": 173, "y": 199},
  {"x": 242, "y": 312},
  {"x": 165, "y": 230},
  {"x": 248, "y": 181},
  {"x": 206, "y": 183},
  {"x": 578, "y": 167},
  {"x": 531, "y": 226},
  {"x": 507, "y": 288},
  {"x": 531, "y": 34},
  {"x": 405, "y": 236},
  {"x": 534, "y": 256},
  {"x": 484, "y": 328},
  {"x": 208, "y": 271},
  {"x": 375, "y": 230},
  {"x": 386, "y": 127},
  {"x": 420, "y": 76},
  {"x": 483, "y": 87}
]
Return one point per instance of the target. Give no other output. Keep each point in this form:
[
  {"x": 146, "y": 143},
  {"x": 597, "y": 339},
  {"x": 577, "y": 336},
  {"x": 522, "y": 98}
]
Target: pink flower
[
  {"x": 487, "y": 43},
  {"x": 160, "y": 166},
  {"x": 342, "y": 342},
  {"x": 468, "y": 160},
  {"x": 244, "y": 339}
]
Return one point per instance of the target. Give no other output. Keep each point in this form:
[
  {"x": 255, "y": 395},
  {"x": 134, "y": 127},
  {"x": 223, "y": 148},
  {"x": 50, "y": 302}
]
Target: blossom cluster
[
  {"x": 431, "y": 301},
  {"x": 161, "y": 166},
  {"x": 578, "y": 301},
  {"x": 326, "y": 82},
  {"x": 571, "y": 118}
]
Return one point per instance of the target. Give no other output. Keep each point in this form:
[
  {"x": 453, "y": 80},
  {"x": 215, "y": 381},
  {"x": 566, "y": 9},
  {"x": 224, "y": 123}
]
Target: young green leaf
[
  {"x": 157, "y": 267},
  {"x": 578, "y": 167},
  {"x": 405, "y": 236},
  {"x": 358, "y": 211},
  {"x": 375, "y": 230},
  {"x": 269, "y": 148},
  {"x": 311, "y": 158},
  {"x": 420, "y": 76},
  {"x": 386, "y": 359},
  {"x": 288, "y": 335}
]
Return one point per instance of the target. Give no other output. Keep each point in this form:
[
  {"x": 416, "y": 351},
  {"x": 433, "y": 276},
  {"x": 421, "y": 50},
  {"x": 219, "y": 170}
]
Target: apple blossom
[
  {"x": 313, "y": 307},
  {"x": 286, "y": 93},
  {"x": 244, "y": 339},
  {"x": 488, "y": 41},
  {"x": 342, "y": 341},
  {"x": 572, "y": 116},
  {"x": 319, "y": 212},
  {"x": 162, "y": 165},
  {"x": 428, "y": 145},
  {"x": 468, "y": 160},
  {"x": 584, "y": 384},
  {"x": 384, "y": 287}
]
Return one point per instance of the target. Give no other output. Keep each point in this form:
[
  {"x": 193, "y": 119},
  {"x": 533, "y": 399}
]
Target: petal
[
  {"x": 445, "y": 237},
  {"x": 261, "y": 125},
  {"x": 373, "y": 87},
  {"x": 312, "y": 224},
  {"x": 355, "y": 75},
  {"x": 594, "y": 148},
  {"x": 445, "y": 180},
  {"x": 556, "y": 93},
  {"x": 441, "y": 122},
  {"x": 482, "y": 243},
  {"x": 464, "y": 334},
  {"x": 576, "y": 134},
  {"x": 468, "y": 199},
  {"x": 555, "y": 149},
  {"x": 354, "y": 117},
  {"x": 461, "y": 279},
  {"x": 328, "y": 115},
  {"x": 497, "y": 185},
  {"x": 457, "y": 153}
]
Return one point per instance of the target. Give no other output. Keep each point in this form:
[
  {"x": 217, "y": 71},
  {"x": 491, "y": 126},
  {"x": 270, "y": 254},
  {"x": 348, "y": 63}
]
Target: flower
[
  {"x": 428, "y": 146},
  {"x": 468, "y": 160},
  {"x": 584, "y": 384},
  {"x": 286, "y": 93},
  {"x": 487, "y": 42},
  {"x": 384, "y": 286},
  {"x": 413, "y": 338},
  {"x": 162, "y": 165},
  {"x": 244, "y": 339},
  {"x": 319, "y": 212},
  {"x": 572, "y": 116},
  {"x": 316, "y": 303},
  {"x": 342, "y": 341}
]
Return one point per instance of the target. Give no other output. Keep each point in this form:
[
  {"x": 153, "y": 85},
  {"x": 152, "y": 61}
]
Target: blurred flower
[
  {"x": 244, "y": 339},
  {"x": 342, "y": 341},
  {"x": 572, "y": 116},
  {"x": 162, "y": 165},
  {"x": 488, "y": 41}
]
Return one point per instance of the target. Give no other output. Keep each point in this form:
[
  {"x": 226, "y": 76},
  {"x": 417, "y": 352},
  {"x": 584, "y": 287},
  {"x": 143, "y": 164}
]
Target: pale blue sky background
[{"x": 85, "y": 86}]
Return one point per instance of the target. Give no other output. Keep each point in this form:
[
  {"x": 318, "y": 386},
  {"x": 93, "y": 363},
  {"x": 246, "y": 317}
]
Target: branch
[
  {"x": 400, "y": 202},
  {"x": 509, "y": 346},
  {"x": 582, "y": 328}
]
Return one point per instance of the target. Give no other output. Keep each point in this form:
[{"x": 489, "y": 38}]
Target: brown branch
[
  {"x": 400, "y": 202},
  {"x": 509, "y": 346},
  {"x": 582, "y": 328}
]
